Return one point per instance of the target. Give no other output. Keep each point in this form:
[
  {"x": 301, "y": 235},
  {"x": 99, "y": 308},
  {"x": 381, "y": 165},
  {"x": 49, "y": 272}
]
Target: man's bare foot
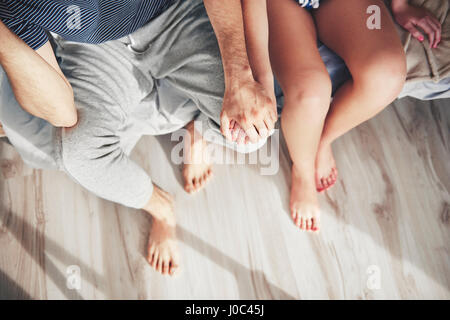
[
  {"x": 197, "y": 167},
  {"x": 326, "y": 171},
  {"x": 162, "y": 254},
  {"x": 304, "y": 204}
]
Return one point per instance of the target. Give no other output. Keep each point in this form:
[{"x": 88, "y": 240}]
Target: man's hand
[
  {"x": 248, "y": 105},
  {"x": 249, "y": 111},
  {"x": 411, "y": 18}
]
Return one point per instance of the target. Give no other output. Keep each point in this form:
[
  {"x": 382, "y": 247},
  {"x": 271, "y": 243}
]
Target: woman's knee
[
  {"x": 310, "y": 94},
  {"x": 382, "y": 76}
]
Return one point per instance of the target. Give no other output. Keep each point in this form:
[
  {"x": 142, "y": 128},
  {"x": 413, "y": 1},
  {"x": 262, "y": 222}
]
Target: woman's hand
[{"x": 412, "y": 18}]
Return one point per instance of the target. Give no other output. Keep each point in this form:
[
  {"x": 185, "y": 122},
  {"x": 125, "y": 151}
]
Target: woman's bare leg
[
  {"x": 307, "y": 89},
  {"x": 376, "y": 61}
]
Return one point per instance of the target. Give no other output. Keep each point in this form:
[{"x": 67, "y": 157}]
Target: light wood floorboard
[{"x": 390, "y": 209}]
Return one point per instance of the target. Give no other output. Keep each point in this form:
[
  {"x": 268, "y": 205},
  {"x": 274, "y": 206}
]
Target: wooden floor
[{"x": 389, "y": 214}]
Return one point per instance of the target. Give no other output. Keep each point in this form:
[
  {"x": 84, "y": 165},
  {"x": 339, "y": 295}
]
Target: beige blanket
[{"x": 425, "y": 63}]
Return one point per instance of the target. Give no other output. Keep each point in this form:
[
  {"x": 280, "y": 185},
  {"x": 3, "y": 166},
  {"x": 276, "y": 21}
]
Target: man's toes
[
  {"x": 155, "y": 258},
  {"x": 165, "y": 267},
  {"x": 188, "y": 184},
  {"x": 150, "y": 251},
  {"x": 234, "y": 133},
  {"x": 201, "y": 182},
  {"x": 324, "y": 182},
  {"x": 307, "y": 224},
  {"x": 150, "y": 258},
  {"x": 174, "y": 266},
  {"x": 195, "y": 183},
  {"x": 159, "y": 264}
]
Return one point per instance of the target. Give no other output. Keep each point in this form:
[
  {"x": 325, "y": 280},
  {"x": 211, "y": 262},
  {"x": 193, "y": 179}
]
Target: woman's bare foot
[
  {"x": 326, "y": 171},
  {"x": 304, "y": 204},
  {"x": 197, "y": 167},
  {"x": 162, "y": 254}
]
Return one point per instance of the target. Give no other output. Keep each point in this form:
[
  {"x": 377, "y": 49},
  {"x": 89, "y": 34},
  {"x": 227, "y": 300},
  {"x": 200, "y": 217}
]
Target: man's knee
[
  {"x": 74, "y": 154},
  {"x": 83, "y": 150}
]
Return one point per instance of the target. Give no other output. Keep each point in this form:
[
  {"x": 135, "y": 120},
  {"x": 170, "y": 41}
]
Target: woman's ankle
[{"x": 303, "y": 171}]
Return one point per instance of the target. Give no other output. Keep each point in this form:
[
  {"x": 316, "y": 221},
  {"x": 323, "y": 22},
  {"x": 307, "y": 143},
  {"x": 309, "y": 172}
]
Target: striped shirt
[
  {"x": 90, "y": 21},
  {"x": 309, "y": 4}
]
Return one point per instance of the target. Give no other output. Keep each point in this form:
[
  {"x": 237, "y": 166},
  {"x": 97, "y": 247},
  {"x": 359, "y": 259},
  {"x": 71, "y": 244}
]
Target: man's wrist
[{"x": 237, "y": 73}]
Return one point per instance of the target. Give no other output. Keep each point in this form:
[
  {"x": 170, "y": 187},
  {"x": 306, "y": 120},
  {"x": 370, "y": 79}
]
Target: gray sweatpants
[{"x": 152, "y": 82}]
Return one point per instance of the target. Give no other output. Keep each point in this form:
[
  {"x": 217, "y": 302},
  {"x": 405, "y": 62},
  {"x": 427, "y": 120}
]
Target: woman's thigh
[
  {"x": 342, "y": 26},
  {"x": 294, "y": 54}
]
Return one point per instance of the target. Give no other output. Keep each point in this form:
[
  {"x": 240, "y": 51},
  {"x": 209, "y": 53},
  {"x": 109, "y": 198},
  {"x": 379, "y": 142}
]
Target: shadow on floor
[
  {"x": 10, "y": 290},
  {"x": 241, "y": 273},
  {"x": 29, "y": 237}
]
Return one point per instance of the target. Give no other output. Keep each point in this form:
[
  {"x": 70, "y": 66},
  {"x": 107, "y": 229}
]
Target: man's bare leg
[
  {"x": 197, "y": 167},
  {"x": 163, "y": 254}
]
